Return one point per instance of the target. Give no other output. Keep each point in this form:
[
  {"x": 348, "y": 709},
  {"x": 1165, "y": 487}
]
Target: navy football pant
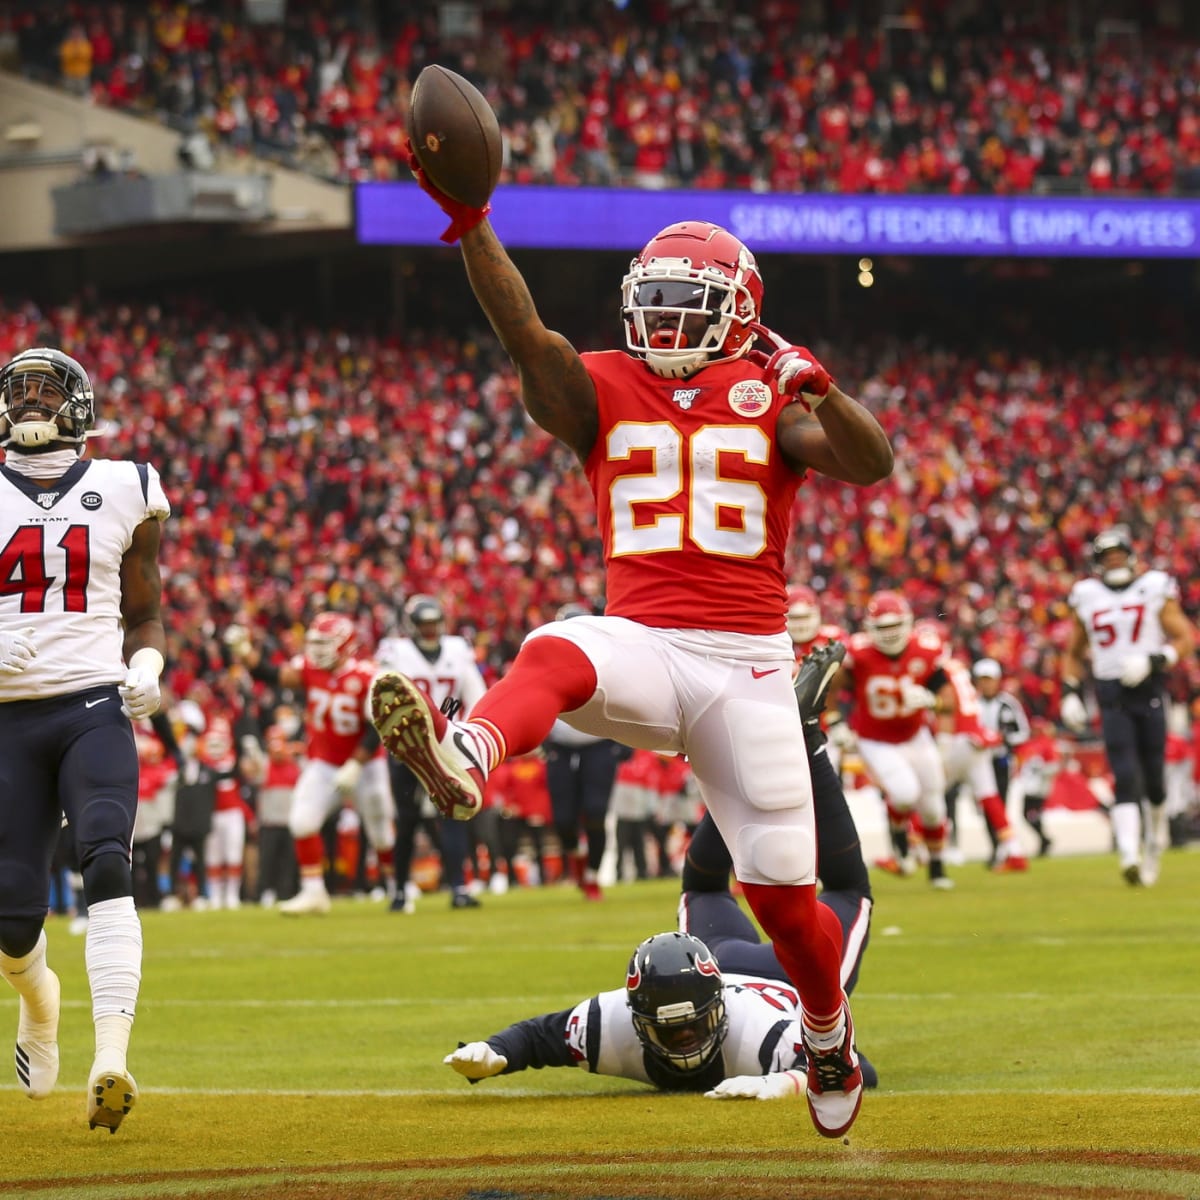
[{"x": 68, "y": 755}]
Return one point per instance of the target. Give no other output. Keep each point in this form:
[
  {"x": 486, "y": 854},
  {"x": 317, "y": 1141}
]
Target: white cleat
[
  {"x": 111, "y": 1094},
  {"x": 306, "y": 903},
  {"x": 36, "y": 1055}
]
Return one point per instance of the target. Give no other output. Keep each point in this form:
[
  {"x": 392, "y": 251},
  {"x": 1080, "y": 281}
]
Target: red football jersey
[
  {"x": 693, "y": 496},
  {"x": 335, "y": 708},
  {"x": 824, "y": 635},
  {"x": 879, "y": 713}
]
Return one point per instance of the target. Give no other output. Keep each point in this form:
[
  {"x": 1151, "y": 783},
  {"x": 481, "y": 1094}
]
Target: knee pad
[
  {"x": 782, "y": 854},
  {"x": 19, "y": 935},
  {"x": 107, "y": 877}
]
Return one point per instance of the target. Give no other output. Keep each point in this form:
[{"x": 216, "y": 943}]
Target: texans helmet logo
[
  {"x": 707, "y": 966},
  {"x": 633, "y": 980}
]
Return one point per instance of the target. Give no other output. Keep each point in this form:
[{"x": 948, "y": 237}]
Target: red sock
[
  {"x": 995, "y": 814},
  {"x": 549, "y": 676},
  {"x": 310, "y": 852},
  {"x": 808, "y": 943}
]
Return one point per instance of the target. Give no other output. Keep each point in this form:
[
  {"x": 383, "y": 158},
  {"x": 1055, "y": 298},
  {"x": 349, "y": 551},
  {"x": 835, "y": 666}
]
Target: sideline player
[
  {"x": 82, "y": 648},
  {"x": 694, "y": 439},
  {"x": 1128, "y": 624}
]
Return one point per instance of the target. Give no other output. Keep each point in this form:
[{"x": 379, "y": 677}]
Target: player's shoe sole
[
  {"x": 415, "y": 733},
  {"x": 1132, "y": 875},
  {"x": 111, "y": 1094},
  {"x": 36, "y": 1053}
]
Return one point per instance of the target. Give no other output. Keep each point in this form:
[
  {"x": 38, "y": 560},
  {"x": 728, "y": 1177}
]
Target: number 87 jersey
[
  {"x": 61, "y": 549},
  {"x": 693, "y": 495}
]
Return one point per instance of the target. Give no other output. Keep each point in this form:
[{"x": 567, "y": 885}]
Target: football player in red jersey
[
  {"x": 895, "y": 676},
  {"x": 808, "y": 632},
  {"x": 694, "y": 439},
  {"x": 340, "y": 746}
]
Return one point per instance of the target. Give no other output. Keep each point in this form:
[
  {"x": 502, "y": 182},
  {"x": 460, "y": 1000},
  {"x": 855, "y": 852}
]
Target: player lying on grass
[{"x": 709, "y": 1008}]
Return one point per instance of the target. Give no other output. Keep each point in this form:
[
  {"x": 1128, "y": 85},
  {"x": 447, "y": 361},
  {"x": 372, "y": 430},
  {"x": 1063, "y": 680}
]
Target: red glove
[
  {"x": 463, "y": 217},
  {"x": 795, "y": 369}
]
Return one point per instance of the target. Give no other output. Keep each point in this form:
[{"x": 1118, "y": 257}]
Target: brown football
[{"x": 455, "y": 135}]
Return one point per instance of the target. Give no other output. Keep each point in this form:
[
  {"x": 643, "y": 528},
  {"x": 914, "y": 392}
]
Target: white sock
[
  {"x": 1127, "y": 830},
  {"x": 28, "y": 975},
  {"x": 826, "y": 1041},
  {"x": 233, "y": 890},
  {"x": 113, "y": 954},
  {"x": 1158, "y": 827},
  {"x": 313, "y": 883}
]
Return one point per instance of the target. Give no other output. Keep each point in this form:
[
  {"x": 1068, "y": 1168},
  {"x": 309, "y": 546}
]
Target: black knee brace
[
  {"x": 107, "y": 877},
  {"x": 19, "y": 935}
]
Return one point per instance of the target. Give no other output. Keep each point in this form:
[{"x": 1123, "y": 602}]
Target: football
[{"x": 455, "y": 136}]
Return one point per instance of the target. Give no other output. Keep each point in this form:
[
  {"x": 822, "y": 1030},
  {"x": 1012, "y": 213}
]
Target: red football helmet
[
  {"x": 691, "y": 267},
  {"x": 330, "y": 640},
  {"x": 889, "y": 622},
  {"x": 803, "y": 614}
]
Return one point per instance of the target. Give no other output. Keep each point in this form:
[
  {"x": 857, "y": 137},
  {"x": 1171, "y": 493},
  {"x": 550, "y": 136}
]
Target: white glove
[
  {"x": 783, "y": 1085},
  {"x": 913, "y": 696},
  {"x": 1134, "y": 669},
  {"x": 346, "y": 777},
  {"x": 842, "y": 736},
  {"x": 476, "y": 1060},
  {"x": 1073, "y": 712},
  {"x": 140, "y": 692},
  {"x": 795, "y": 370},
  {"x": 17, "y": 650}
]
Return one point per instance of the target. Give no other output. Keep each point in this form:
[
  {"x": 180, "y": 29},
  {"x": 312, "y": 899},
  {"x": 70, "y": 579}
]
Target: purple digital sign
[{"x": 554, "y": 218}]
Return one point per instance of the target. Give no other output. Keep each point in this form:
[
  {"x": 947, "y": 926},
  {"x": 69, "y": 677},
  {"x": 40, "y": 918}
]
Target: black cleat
[{"x": 817, "y": 669}]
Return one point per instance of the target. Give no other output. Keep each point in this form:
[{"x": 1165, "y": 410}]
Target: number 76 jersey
[
  {"x": 693, "y": 495},
  {"x": 60, "y": 570}
]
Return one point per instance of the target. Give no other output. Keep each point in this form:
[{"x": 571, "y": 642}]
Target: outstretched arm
[
  {"x": 556, "y": 390},
  {"x": 537, "y": 1042}
]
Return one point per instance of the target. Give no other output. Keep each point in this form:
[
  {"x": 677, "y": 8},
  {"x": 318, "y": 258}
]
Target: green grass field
[{"x": 1035, "y": 1036}]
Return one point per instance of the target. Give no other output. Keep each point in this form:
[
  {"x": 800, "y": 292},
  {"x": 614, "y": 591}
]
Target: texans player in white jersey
[
  {"x": 694, "y": 439},
  {"x": 1129, "y": 627},
  {"x": 681, "y": 1023},
  {"x": 81, "y": 650},
  {"x": 443, "y": 665}
]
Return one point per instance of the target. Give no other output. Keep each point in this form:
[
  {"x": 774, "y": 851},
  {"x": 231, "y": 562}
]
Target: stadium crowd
[
  {"x": 312, "y": 467},
  {"x": 949, "y": 98}
]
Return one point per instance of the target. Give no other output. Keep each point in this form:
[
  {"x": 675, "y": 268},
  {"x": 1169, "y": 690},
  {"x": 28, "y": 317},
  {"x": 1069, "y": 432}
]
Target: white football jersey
[
  {"x": 1122, "y": 621},
  {"x": 454, "y": 674},
  {"x": 764, "y": 1031},
  {"x": 60, "y": 570}
]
